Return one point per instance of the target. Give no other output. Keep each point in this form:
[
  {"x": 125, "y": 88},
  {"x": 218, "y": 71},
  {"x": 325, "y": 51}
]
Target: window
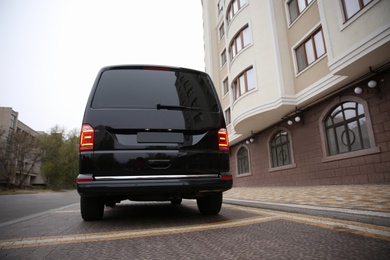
[
  {"x": 280, "y": 149},
  {"x": 225, "y": 85},
  {"x": 244, "y": 83},
  {"x": 228, "y": 116},
  {"x": 346, "y": 129},
  {"x": 181, "y": 88},
  {"x": 296, "y": 7},
  {"x": 310, "y": 50},
  {"x": 242, "y": 161},
  {"x": 220, "y": 6},
  {"x": 351, "y": 7},
  {"x": 242, "y": 39},
  {"x": 221, "y": 31},
  {"x": 223, "y": 58},
  {"x": 233, "y": 8},
  {"x": 12, "y": 122}
]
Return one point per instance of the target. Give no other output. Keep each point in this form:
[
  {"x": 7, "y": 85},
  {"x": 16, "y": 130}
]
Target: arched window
[
  {"x": 280, "y": 149},
  {"x": 243, "y": 160},
  {"x": 346, "y": 129},
  {"x": 242, "y": 39},
  {"x": 243, "y": 83},
  {"x": 233, "y": 8}
]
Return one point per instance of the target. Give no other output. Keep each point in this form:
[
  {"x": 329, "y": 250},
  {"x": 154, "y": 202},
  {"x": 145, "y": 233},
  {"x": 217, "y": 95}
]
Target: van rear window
[{"x": 145, "y": 89}]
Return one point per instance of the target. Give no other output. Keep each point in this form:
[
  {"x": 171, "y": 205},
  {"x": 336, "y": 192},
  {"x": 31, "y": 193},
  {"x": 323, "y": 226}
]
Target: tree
[
  {"x": 60, "y": 159},
  {"x": 19, "y": 155}
]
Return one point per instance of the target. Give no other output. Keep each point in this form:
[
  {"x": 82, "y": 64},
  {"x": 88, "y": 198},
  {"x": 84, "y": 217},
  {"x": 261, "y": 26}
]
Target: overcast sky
[{"x": 51, "y": 50}]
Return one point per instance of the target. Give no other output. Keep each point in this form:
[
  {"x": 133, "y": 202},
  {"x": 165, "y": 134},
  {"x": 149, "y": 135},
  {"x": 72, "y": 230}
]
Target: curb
[{"x": 363, "y": 216}]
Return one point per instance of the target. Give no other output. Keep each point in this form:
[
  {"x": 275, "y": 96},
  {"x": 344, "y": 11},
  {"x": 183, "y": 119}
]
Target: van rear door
[{"x": 154, "y": 121}]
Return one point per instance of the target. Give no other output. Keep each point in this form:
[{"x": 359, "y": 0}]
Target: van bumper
[{"x": 155, "y": 189}]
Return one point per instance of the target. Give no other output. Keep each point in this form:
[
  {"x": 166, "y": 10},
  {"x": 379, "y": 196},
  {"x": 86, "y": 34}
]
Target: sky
[{"x": 52, "y": 50}]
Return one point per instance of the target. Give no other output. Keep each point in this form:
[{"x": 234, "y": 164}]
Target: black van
[{"x": 152, "y": 133}]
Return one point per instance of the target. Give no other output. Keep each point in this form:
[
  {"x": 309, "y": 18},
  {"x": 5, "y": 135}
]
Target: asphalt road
[{"x": 16, "y": 207}]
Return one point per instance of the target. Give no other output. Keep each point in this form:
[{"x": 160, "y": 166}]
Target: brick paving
[
  {"x": 144, "y": 231},
  {"x": 361, "y": 197}
]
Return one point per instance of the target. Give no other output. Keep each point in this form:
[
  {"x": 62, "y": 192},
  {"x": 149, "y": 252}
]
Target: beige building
[
  {"x": 305, "y": 87},
  {"x": 9, "y": 124}
]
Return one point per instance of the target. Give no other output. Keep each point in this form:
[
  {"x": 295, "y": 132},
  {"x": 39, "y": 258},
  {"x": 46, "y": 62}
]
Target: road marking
[
  {"x": 66, "y": 211},
  {"x": 57, "y": 240},
  {"x": 15, "y": 221}
]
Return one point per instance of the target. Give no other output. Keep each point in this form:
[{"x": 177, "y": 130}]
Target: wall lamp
[
  {"x": 372, "y": 87},
  {"x": 296, "y": 117},
  {"x": 251, "y": 140}
]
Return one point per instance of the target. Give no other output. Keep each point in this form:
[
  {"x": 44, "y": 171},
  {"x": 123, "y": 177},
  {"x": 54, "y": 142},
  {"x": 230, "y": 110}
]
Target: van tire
[
  {"x": 210, "y": 204},
  {"x": 92, "y": 208}
]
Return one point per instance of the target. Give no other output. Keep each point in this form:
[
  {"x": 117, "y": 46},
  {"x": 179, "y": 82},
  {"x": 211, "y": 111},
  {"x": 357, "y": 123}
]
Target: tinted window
[{"x": 135, "y": 88}]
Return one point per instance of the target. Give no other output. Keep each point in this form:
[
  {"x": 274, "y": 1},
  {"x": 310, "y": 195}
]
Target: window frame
[
  {"x": 236, "y": 84},
  {"x": 239, "y": 173},
  {"x": 298, "y": 12},
  {"x": 228, "y": 116},
  {"x": 239, "y": 39},
  {"x": 230, "y": 12},
  {"x": 220, "y": 7},
  {"x": 321, "y": 121},
  {"x": 277, "y": 147},
  {"x": 333, "y": 127},
  {"x": 361, "y": 4},
  {"x": 225, "y": 86},
  {"x": 292, "y": 163},
  {"x": 12, "y": 122},
  {"x": 221, "y": 31},
  {"x": 223, "y": 58},
  {"x": 302, "y": 45}
]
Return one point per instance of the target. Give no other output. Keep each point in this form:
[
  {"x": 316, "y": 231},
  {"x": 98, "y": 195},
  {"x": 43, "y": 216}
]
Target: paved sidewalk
[{"x": 364, "y": 203}]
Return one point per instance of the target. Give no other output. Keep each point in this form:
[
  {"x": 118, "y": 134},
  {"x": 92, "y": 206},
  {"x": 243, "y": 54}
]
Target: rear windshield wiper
[{"x": 169, "y": 107}]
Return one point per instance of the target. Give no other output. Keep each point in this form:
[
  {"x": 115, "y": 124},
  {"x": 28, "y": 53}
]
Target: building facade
[
  {"x": 28, "y": 169},
  {"x": 305, "y": 87}
]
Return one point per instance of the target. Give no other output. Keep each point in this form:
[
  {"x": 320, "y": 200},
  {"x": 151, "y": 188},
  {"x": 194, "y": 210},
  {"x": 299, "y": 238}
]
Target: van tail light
[
  {"x": 226, "y": 177},
  {"x": 223, "y": 141},
  {"x": 82, "y": 178},
  {"x": 87, "y": 136}
]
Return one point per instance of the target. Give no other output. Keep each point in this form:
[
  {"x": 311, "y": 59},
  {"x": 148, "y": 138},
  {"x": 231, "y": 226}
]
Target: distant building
[
  {"x": 9, "y": 123},
  {"x": 305, "y": 87}
]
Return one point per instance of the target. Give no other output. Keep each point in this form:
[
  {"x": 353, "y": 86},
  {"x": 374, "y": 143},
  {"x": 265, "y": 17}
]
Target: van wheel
[
  {"x": 92, "y": 208},
  {"x": 210, "y": 204}
]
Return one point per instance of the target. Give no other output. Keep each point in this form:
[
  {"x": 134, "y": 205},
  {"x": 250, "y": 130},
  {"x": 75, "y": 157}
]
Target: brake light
[
  {"x": 156, "y": 68},
  {"x": 87, "y": 136},
  {"x": 223, "y": 141}
]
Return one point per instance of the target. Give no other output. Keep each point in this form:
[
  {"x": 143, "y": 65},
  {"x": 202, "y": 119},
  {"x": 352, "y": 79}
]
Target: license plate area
[{"x": 146, "y": 137}]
